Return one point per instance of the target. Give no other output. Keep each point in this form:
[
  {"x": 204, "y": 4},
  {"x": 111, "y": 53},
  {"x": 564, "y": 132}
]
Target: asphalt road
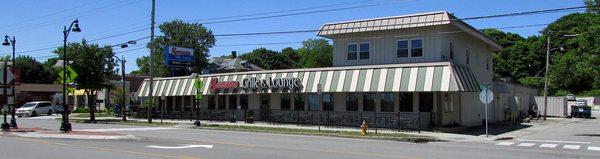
[{"x": 247, "y": 145}]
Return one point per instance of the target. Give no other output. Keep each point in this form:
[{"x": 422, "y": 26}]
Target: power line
[
  {"x": 49, "y": 14},
  {"x": 314, "y": 30}
]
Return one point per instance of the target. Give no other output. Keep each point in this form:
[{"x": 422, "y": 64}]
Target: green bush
[{"x": 81, "y": 110}]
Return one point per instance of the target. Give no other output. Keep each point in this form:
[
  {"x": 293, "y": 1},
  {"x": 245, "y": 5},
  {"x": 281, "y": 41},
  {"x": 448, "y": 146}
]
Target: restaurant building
[{"x": 390, "y": 71}]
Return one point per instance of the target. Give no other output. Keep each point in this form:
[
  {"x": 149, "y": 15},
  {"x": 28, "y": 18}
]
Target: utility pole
[
  {"x": 151, "y": 103},
  {"x": 124, "y": 90},
  {"x": 546, "y": 75}
]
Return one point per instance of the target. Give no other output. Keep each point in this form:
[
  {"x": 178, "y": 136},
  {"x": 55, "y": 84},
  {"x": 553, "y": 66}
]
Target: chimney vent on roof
[{"x": 233, "y": 54}]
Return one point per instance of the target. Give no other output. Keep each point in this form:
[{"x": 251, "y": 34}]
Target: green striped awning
[{"x": 421, "y": 77}]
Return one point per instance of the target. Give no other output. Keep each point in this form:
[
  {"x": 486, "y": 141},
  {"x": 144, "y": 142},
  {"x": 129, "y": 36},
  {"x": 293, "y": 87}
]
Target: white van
[{"x": 35, "y": 109}]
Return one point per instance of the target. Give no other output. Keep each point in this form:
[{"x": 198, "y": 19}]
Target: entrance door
[{"x": 265, "y": 107}]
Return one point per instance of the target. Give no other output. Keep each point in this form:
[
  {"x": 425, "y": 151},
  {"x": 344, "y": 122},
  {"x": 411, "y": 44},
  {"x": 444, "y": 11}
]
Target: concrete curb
[{"x": 72, "y": 136}]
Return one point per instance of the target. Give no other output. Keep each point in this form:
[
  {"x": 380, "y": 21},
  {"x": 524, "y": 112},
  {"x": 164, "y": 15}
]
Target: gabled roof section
[{"x": 403, "y": 22}]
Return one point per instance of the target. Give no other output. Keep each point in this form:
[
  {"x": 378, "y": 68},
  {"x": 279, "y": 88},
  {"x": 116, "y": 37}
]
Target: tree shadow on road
[{"x": 493, "y": 129}]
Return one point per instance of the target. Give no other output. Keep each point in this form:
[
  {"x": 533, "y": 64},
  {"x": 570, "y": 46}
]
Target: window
[
  {"x": 244, "y": 101},
  {"x": 364, "y": 51},
  {"x": 211, "y": 102},
  {"x": 451, "y": 50},
  {"x": 416, "y": 48},
  {"x": 232, "y": 102},
  {"x": 402, "y": 49},
  {"x": 298, "y": 102},
  {"x": 387, "y": 102},
  {"x": 487, "y": 62},
  {"x": 448, "y": 105},
  {"x": 222, "y": 102},
  {"x": 285, "y": 102},
  {"x": 351, "y": 102},
  {"x": 467, "y": 52},
  {"x": 313, "y": 102},
  {"x": 406, "y": 102},
  {"x": 425, "y": 102},
  {"x": 327, "y": 102},
  {"x": 369, "y": 102},
  {"x": 352, "y": 51}
]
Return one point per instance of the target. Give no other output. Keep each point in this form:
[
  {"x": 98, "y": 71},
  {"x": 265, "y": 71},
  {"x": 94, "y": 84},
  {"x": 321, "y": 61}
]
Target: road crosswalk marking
[
  {"x": 572, "y": 147},
  {"x": 526, "y": 144},
  {"x": 505, "y": 143},
  {"x": 548, "y": 145},
  {"x": 592, "y": 148}
]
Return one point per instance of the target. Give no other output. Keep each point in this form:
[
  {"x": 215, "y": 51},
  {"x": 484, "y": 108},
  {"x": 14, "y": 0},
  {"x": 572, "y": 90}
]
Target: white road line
[
  {"x": 180, "y": 147},
  {"x": 592, "y": 148},
  {"x": 555, "y": 141},
  {"x": 505, "y": 143},
  {"x": 126, "y": 129},
  {"x": 572, "y": 147},
  {"x": 548, "y": 145},
  {"x": 525, "y": 144}
]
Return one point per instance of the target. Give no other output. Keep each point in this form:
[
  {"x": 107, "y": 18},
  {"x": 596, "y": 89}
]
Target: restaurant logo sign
[
  {"x": 254, "y": 82},
  {"x": 216, "y": 85}
]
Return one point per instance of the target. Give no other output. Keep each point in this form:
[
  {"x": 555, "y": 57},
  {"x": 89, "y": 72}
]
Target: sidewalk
[{"x": 439, "y": 135}]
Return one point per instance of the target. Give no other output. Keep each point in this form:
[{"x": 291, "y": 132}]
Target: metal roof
[{"x": 403, "y": 22}]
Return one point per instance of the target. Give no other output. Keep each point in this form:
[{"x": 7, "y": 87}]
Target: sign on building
[{"x": 179, "y": 56}]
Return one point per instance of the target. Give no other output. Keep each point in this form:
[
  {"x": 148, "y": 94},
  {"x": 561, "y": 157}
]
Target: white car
[{"x": 35, "y": 109}]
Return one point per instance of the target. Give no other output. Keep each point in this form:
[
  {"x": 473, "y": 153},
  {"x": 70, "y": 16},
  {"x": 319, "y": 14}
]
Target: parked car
[
  {"x": 570, "y": 97},
  {"x": 581, "y": 109},
  {"x": 35, "y": 108}
]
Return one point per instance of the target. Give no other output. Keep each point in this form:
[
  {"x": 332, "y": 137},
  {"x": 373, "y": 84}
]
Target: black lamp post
[
  {"x": 74, "y": 27},
  {"x": 7, "y": 42}
]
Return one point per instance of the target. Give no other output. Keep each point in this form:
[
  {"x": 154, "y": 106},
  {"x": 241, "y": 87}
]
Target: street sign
[
  {"x": 10, "y": 76},
  {"x": 486, "y": 96},
  {"x": 71, "y": 75},
  {"x": 179, "y": 56},
  {"x": 198, "y": 85}
]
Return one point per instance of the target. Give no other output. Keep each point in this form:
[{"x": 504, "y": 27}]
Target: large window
[
  {"x": 222, "y": 102},
  {"x": 351, "y": 102},
  {"x": 313, "y": 102},
  {"x": 416, "y": 48},
  {"x": 425, "y": 102},
  {"x": 387, "y": 102},
  {"x": 211, "y": 102},
  {"x": 364, "y": 51},
  {"x": 299, "y": 102},
  {"x": 327, "y": 102},
  {"x": 406, "y": 102},
  {"x": 368, "y": 102},
  {"x": 232, "y": 102},
  {"x": 402, "y": 49},
  {"x": 352, "y": 51},
  {"x": 448, "y": 105},
  {"x": 244, "y": 101},
  {"x": 286, "y": 101}
]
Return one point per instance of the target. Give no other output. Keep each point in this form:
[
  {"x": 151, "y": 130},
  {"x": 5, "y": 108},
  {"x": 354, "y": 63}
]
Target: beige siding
[{"x": 383, "y": 46}]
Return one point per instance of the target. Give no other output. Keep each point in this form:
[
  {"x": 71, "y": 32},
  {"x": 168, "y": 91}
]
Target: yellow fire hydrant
[{"x": 363, "y": 128}]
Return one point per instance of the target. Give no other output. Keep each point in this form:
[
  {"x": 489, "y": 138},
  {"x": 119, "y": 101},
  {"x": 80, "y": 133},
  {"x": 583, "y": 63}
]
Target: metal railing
[{"x": 401, "y": 121}]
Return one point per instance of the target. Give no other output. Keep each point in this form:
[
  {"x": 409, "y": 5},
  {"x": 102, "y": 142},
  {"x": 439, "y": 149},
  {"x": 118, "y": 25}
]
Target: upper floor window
[
  {"x": 402, "y": 49},
  {"x": 451, "y": 50},
  {"x": 364, "y": 51},
  {"x": 416, "y": 48},
  {"x": 352, "y": 51},
  {"x": 467, "y": 56}
]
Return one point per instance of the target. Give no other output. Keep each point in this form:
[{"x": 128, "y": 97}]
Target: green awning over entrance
[{"x": 414, "y": 77}]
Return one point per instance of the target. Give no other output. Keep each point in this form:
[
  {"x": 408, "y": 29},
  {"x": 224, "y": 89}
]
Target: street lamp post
[
  {"x": 319, "y": 104},
  {"x": 124, "y": 97},
  {"x": 7, "y": 42},
  {"x": 74, "y": 27},
  {"x": 5, "y": 125}
]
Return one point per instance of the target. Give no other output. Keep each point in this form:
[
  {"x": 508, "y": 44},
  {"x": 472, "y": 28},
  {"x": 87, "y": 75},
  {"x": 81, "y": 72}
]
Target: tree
[
  {"x": 267, "y": 59},
  {"x": 93, "y": 64},
  {"x": 33, "y": 71},
  {"x": 181, "y": 34},
  {"x": 592, "y": 6},
  {"x": 316, "y": 53}
]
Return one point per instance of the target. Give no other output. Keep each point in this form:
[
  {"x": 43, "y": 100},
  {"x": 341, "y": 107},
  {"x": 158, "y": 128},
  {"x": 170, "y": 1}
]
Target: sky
[{"x": 37, "y": 25}]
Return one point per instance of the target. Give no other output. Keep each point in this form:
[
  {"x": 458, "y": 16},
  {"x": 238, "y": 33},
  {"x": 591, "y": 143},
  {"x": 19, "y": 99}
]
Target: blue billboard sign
[{"x": 179, "y": 56}]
